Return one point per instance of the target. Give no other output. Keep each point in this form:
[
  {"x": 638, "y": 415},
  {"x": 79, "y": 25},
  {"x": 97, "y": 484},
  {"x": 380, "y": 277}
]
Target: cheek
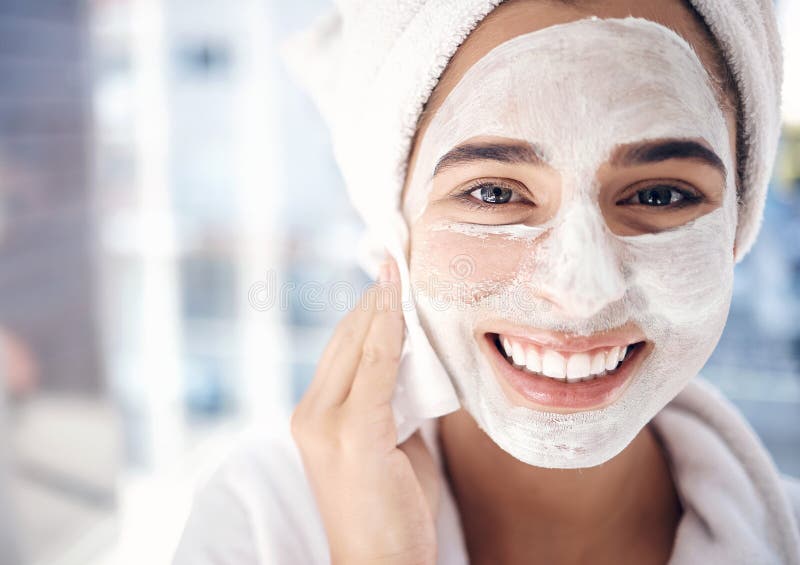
[
  {"x": 448, "y": 266},
  {"x": 691, "y": 287},
  {"x": 685, "y": 277}
]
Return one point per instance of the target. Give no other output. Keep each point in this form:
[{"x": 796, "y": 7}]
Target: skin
[{"x": 378, "y": 500}]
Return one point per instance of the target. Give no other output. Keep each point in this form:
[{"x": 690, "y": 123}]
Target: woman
[{"x": 577, "y": 191}]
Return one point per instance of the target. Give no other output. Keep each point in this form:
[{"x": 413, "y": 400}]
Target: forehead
[
  {"x": 577, "y": 91},
  {"x": 591, "y": 79},
  {"x": 518, "y": 17}
]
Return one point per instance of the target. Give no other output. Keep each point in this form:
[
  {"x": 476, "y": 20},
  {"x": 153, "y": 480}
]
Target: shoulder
[{"x": 256, "y": 508}]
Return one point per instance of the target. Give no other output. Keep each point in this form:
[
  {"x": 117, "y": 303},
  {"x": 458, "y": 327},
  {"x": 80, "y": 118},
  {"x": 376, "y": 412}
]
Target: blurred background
[{"x": 167, "y": 201}]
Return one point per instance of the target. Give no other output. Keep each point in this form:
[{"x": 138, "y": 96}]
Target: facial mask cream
[{"x": 576, "y": 91}]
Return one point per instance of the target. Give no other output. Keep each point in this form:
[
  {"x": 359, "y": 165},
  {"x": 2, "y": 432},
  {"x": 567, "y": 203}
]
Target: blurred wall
[
  {"x": 47, "y": 282},
  {"x": 53, "y": 385}
]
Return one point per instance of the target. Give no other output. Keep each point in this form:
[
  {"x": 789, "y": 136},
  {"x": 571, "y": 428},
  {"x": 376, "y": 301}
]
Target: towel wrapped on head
[{"x": 371, "y": 65}]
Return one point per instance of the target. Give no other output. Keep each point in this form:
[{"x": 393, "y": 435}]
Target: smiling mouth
[{"x": 567, "y": 367}]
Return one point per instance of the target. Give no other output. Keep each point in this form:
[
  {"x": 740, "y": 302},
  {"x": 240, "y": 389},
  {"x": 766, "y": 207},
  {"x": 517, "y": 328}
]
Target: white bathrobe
[{"x": 259, "y": 510}]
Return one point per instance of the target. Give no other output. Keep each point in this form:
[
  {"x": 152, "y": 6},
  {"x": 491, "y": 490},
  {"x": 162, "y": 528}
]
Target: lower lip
[{"x": 549, "y": 394}]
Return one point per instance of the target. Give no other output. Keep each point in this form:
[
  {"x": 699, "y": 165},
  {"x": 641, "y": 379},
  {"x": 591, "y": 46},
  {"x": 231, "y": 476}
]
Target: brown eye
[
  {"x": 659, "y": 196},
  {"x": 663, "y": 196},
  {"x": 493, "y": 194}
]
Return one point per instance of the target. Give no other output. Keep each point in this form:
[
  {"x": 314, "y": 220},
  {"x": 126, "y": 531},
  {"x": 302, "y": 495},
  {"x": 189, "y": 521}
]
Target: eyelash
[
  {"x": 465, "y": 195},
  {"x": 688, "y": 197}
]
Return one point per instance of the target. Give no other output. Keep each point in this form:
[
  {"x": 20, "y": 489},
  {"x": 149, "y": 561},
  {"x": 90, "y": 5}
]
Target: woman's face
[{"x": 572, "y": 211}]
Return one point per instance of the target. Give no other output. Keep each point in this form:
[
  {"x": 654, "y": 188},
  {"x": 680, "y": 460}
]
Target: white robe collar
[{"x": 735, "y": 508}]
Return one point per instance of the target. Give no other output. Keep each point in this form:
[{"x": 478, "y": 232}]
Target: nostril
[
  {"x": 582, "y": 298},
  {"x": 582, "y": 309}
]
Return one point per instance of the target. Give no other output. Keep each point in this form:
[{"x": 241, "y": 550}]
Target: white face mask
[{"x": 577, "y": 91}]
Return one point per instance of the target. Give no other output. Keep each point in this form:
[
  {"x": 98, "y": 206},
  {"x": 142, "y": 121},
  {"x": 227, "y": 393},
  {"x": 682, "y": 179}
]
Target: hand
[{"x": 377, "y": 500}]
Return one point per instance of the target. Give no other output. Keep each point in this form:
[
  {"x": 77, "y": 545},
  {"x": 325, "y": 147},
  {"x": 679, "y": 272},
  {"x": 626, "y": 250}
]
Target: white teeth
[
  {"x": 564, "y": 367},
  {"x": 554, "y": 365},
  {"x": 518, "y": 353},
  {"x": 598, "y": 363},
  {"x": 578, "y": 366},
  {"x": 533, "y": 361},
  {"x": 612, "y": 359}
]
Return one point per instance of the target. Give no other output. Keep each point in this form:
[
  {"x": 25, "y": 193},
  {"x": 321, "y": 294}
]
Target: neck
[{"x": 627, "y": 505}]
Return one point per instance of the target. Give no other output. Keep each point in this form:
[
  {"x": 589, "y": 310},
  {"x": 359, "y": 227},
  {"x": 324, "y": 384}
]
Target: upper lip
[{"x": 626, "y": 334}]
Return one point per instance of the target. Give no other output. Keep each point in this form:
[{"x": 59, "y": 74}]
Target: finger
[
  {"x": 338, "y": 363},
  {"x": 380, "y": 357},
  {"x": 425, "y": 467},
  {"x": 355, "y": 323}
]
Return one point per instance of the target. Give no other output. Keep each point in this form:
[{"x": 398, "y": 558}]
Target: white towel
[{"x": 736, "y": 508}]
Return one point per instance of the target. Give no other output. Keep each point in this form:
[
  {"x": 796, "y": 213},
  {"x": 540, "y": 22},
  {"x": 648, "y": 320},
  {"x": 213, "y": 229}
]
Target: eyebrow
[
  {"x": 664, "y": 150},
  {"x": 510, "y": 152}
]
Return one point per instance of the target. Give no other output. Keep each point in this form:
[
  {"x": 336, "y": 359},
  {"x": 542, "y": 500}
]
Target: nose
[{"x": 577, "y": 268}]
